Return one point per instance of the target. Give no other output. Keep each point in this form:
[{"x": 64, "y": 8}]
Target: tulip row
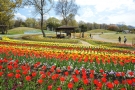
[
  {"x": 54, "y": 66},
  {"x": 74, "y": 47},
  {"x": 17, "y": 75}
]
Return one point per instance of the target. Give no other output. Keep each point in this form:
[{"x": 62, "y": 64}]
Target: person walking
[
  {"x": 90, "y": 35},
  {"x": 119, "y": 39},
  {"x": 125, "y": 39}
]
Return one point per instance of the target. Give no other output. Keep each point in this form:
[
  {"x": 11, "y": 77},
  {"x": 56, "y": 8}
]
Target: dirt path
[{"x": 85, "y": 43}]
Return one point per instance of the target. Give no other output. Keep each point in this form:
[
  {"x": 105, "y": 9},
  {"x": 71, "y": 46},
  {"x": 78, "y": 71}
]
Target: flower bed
[{"x": 49, "y": 66}]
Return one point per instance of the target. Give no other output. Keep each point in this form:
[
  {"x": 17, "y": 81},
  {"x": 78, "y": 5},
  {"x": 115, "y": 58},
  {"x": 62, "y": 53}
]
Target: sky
[{"x": 98, "y": 11}]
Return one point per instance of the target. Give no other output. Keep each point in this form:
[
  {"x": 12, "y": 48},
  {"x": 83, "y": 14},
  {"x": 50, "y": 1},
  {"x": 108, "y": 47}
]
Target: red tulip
[
  {"x": 101, "y": 70},
  {"x": 10, "y": 75},
  {"x": 99, "y": 85},
  {"x": 23, "y": 67},
  {"x": 133, "y": 79},
  {"x": 70, "y": 85},
  {"x": 62, "y": 78},
  {"x": 40, "y": 81},
  {"x": 17, "y": 71},
  {"x": 110, "y": 85},
  {"x": 10, "y": 67},
  {"x": 55, "y": 76},
  {"x": 28, "y": 78},
  {"x": 43, "y": 75},
  {"x": 91, "y": 75},
  {"x": 116, "y": 82},
  {"x": 75, "y": 79},
  {"x": 48, "y": 73},
  {"x": 131, "y": 73},
  {"x": 104, "y": 74},
  {"x": 85, "y": 81},
  {"x": 68, "y": 67},
  {"x": 95, "y": 81},
  {"x": 25, "y": 72},
  {"x": 17, "y": 75},
  {"x": 34, "y": 74},
  {"x": 103, "y": 80},
  {"x": 83, "y": 70},
  {"x": 49, "y": 87},
  {"x": 97, "y": 88},
  {"x": 123, "y": 81},
  {"x": 123, "y": 74},
  {"x": 84, "y": 76},
  {"x": 92, "y": 71},
  {"x": 66, "y": 73},
  {"x": 58, "y": 70},
  {"x": 59, "y": 88},
  {"x": 77, "y": 72},
  {"x": 44, "y": 67},
  {"x": 117, "y": 74},
  {"x": 1, "y": 67},
  {"x": 129, "y": 81}
]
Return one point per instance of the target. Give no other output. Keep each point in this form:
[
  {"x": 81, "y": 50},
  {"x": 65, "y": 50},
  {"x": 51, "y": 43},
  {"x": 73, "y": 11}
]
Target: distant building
[{"x": 126, "y": 31}]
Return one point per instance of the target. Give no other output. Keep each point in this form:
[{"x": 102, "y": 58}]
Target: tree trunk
[{"x": 42, "y": 26}]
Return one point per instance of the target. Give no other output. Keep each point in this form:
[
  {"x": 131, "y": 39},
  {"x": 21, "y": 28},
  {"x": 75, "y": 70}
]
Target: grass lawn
[
  {"x": 115, "y": 37},
  {"x": 93, "y": 32},
  {"x": 97, "y": 31}
]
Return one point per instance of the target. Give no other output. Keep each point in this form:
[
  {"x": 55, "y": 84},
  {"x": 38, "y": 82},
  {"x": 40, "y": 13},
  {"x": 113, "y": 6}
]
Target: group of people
[{"x": 125, "y": 39}]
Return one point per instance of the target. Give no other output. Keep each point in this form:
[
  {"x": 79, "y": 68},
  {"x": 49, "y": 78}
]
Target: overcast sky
[{"x": 99, "y": 11}]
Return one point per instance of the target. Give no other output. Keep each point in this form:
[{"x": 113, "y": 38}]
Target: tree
[
  {"x": 30, "y": 22},
  {"x": 72, "y": 21},
  {"x": 96, "y": 26},
  {"x": 65, "y": 8},
  {"x": 113, "y": 27},
  {"x": 42, "y": 7},
  {"x": 53, "y": 23},
  {"x": 7, "y": 9},
  {"x": 83, "y": 27},
  {"x": 18, "y": 22}
]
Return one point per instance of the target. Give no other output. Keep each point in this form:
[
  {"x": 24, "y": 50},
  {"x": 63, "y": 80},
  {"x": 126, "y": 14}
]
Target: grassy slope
[{"x": 21, "y": 30}]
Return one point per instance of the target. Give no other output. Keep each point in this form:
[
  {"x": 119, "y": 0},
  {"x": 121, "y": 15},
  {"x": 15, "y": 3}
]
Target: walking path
[
  {"x": 85, "y": 43},
  {"x": 97, "y": 37}
]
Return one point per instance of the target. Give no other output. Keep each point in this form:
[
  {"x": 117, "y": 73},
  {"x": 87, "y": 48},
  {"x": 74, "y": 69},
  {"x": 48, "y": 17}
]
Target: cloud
[
  {"x": 85, "y": 13},
  {"x": 28, "y": 7},
  {"x": 18, "y": 15},
  {"x": 102, "y": 5},
  {"x": 107, "y": 11},
  {"x": 126, "y": 18}
]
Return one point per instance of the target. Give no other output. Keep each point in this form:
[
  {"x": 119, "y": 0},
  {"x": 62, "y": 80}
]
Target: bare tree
[
  {"x": 42, "y": 7},
  {"x": 65, "y": 8}
]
